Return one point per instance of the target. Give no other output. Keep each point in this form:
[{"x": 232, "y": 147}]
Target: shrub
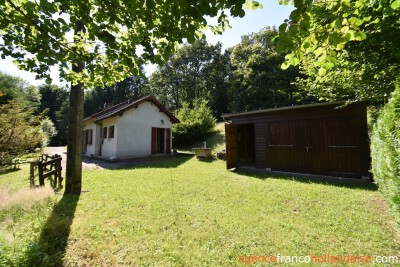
[
  {"x": 20, "y": 131},
  {"x": 196, "y": 122},
  {"x": 385, "y": 151}
]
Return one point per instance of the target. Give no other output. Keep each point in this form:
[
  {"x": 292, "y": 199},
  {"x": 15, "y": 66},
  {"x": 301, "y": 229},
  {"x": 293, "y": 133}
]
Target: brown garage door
[
  {"x": 344, "y": 147},
  {"x": 328, "y": 147}
]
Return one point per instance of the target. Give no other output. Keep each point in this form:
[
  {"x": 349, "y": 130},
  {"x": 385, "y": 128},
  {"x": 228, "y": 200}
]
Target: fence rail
[{"x": 47, "y": 167}]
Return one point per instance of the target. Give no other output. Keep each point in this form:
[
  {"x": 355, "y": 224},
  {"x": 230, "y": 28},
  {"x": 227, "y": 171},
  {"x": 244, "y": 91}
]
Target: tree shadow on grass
[
  {"x": 50, "y": 248},
  {"x": 311, "y": 179}
]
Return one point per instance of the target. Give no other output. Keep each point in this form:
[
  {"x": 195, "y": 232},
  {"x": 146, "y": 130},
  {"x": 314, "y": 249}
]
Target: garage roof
[{"x": 261, "y": 111}]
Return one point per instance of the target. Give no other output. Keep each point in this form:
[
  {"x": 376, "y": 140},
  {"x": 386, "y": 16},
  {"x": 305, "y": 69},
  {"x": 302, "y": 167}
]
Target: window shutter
[
  {"x": 153, "y": 140},
  {"x": 168, "y": 145}
]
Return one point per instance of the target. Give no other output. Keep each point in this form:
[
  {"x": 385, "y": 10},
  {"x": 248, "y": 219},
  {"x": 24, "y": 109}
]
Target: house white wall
[
  {"x": 109, "y": 145},
  {"x": 90, "y": 148},
  {"x": 134, "y": 129}
]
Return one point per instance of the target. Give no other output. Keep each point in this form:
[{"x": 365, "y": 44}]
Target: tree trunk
[{"x": 73, "y": 179}]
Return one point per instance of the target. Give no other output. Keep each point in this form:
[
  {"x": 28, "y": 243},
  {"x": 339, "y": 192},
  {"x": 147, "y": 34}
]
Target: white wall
[
  {"x": 109, "y": 145},
  {"x": 94, "y": 148},
  {"x": 90, "y": 148},
  {"x": 134, "y": 129}
]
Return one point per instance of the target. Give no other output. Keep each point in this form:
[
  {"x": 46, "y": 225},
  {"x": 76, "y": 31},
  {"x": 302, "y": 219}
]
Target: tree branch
[{"x": 34, "y": 24}]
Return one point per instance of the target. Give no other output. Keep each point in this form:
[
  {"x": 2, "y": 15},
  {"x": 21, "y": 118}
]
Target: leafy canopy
[
  {"x": 324, "y": 28},
  {"x": 119, "y": 36},
  {"x": 348, "y": 47},
  {"x": 257, "y": 80}
]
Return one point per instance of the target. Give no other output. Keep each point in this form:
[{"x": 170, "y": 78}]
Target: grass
[
  {"x": 24, "y": 198},
  {"x": 179, "y": 211},
  {"x": 216, "y": 140}
]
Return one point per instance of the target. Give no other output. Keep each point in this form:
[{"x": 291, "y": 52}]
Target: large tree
[
  {"x": 111, "y": 40},
  {"x": 257, "y": 80},
  {"x": 348, "y": 48},
  {"x": 15, "y": 88},
  {"x": 196, "y": 71},
  {"x": 53, "y": 98}
]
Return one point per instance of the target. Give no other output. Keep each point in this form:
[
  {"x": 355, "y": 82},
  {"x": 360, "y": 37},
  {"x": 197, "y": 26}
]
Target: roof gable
[{"x": 121, "y": 107}]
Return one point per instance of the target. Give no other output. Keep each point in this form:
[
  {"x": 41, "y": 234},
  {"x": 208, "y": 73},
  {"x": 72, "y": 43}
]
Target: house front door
[{"x": 157, "y": 140}]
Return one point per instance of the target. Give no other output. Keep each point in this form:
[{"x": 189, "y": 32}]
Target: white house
[{"x": 129, "y": 129}]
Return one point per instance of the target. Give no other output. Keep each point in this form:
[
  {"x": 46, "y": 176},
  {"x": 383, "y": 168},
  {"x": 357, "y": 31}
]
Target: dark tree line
[
  {"x": 130, "y": 88},
  {"x": 247, "y": 76},
  {"x": 55, "y": 99}
]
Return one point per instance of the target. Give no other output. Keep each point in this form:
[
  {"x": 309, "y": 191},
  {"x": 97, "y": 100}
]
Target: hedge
[{"x": 385, "y": 151}]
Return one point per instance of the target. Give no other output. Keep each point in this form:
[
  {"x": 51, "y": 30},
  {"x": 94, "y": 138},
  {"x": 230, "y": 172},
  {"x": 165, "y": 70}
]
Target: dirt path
[
  {"x": 92, "y": 163},
  {"x": 87, "y": 164}
]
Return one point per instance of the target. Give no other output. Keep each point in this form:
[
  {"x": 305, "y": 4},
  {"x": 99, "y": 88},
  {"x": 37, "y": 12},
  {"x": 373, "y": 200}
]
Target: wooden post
[
  {"x": 32, "y": 174},
  {"x": 40, "y": 170},
  {"x": 49, "y": 168}
]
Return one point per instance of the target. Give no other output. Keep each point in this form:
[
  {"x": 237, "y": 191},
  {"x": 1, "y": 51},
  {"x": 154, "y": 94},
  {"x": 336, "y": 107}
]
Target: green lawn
[
  {"x": 184, "y": 212},
  {"x": 216, "y": 140}
]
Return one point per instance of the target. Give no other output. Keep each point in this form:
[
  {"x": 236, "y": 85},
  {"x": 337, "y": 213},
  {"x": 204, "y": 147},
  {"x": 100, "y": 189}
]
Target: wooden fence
[{"x": 47, "y": 167}]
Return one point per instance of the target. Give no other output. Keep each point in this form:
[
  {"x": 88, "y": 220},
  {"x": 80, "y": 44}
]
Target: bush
[
  {"x": 385, "y": 151},
  {"x": 196, "y": 123},
  {"x": 20, "y": 131}
]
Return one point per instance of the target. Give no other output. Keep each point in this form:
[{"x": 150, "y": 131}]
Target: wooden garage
[{"x": 326, "y": 139}]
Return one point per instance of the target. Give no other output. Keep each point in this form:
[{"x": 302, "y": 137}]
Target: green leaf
[
  {"x": 356, "y": 21},
  {"x": 247, "y": 5},
  {"x": 282, "y": 27},
  {"x": 295, "y": 15},
  {"x": 339, "y": 46},
  {"x": 359, "y": 36},
  {"x": 375, "y": 21},
  {"x": 256, "y": 5},
  {"x": 306, "y": 45},
  {"x": 294, "y": 61},
  {"x": 345, "y": 29},
  {"x": 293, "y": 30},
  {"x": 48, "y": 80},
  {"x": 322, "y": 71},
  {"x": 319, "y": 51},
  {"x": 285, "y": 65},
  {"x": 395, "y": 5}
]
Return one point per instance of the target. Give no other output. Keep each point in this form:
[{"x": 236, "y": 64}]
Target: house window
[
  {"x": 90, "y": 139},
  {"x": 85, "y": 136},
  {"x": 104, "y": 133},
  {"x": 111, "y": 132}
]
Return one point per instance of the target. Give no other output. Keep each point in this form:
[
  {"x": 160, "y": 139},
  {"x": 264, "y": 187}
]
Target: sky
[{"x": 271, "y": 14}]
